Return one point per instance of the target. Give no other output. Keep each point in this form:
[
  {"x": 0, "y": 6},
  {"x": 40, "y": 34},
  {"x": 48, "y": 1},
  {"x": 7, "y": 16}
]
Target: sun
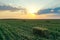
[{"x": 32, "y": 9}]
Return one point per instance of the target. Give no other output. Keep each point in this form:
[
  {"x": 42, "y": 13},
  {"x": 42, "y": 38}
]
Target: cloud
[
  {"x": 9, "y": 8},
  {"x": 53, "y": 16},
  {"x": 50, "y": 13},
  {"x": 48, "y": 16},
  {"x": 49, "y": 10}
]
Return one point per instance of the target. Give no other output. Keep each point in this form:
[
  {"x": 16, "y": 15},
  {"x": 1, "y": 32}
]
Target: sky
[{"x": 26, "y": 9}]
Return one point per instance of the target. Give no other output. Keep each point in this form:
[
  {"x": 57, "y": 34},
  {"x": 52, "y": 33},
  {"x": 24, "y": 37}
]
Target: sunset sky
[{"x": 29, "y": 9}]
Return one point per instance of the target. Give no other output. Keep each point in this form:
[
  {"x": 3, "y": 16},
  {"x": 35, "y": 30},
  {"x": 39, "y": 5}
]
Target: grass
[{"x": 15, "y": 29}]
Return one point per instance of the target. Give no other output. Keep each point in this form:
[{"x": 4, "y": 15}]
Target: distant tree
[
  {"x": 24, "y": 20},
  {"x": 48, "y": 21}
]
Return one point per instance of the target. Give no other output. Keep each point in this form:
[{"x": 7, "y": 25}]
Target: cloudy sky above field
[{"x": 30, "y": 9}]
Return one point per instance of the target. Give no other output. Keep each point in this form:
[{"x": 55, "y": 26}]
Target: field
[{"x": 19, "y": 29}]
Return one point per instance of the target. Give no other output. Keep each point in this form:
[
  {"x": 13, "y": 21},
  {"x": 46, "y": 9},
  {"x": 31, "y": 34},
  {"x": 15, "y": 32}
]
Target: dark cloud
[
  {"x": 49, "y": 10},
  {"x": 10, "y": 8}
]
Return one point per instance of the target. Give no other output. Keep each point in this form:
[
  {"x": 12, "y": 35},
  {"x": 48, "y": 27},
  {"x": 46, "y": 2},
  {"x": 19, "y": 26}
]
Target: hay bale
[{"x": 41, "y": 31}]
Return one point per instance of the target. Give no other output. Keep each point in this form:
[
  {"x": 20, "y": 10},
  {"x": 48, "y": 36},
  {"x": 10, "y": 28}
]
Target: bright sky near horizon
[{"x": 32, "y": 6}]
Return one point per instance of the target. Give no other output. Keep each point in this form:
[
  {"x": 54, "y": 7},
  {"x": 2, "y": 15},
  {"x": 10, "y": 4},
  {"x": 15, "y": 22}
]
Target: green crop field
[{"x": 19, "y": 29}]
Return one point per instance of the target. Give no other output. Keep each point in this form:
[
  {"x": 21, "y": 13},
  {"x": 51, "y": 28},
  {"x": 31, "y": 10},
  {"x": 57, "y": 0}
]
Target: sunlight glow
[
  {"x": 32, "y": 9},
  {"x": 33, "y": 16}
]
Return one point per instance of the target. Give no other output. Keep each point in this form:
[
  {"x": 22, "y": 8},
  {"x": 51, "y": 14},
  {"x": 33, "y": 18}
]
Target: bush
[{"x": 43, "y": 32}]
